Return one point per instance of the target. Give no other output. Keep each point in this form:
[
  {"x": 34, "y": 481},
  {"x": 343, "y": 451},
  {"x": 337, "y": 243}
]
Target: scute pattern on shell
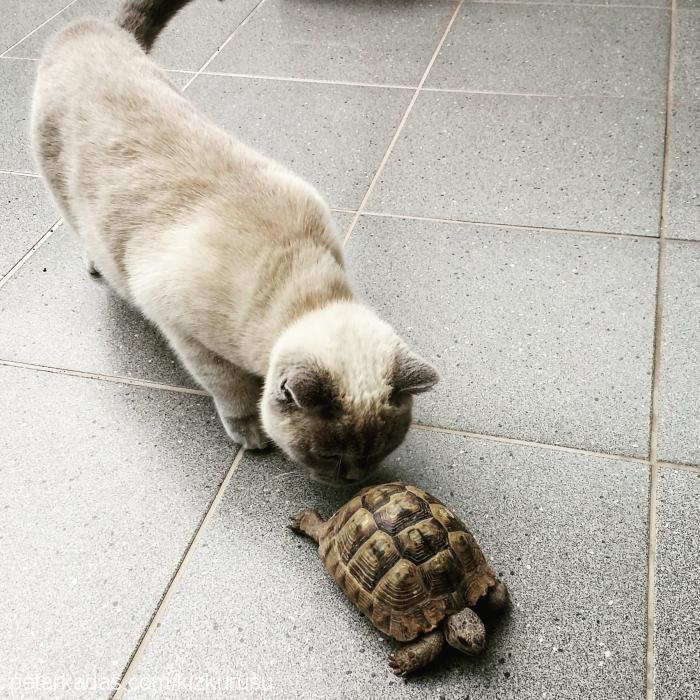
[{"x": 404, "y": 559}]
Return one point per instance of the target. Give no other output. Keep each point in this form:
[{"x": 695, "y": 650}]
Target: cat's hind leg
[{"x": 236, "y": 392}]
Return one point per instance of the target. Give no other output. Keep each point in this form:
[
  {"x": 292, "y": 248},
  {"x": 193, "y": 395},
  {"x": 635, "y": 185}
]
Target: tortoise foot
[
  {"x": 307, "y": 522},
  {"x": 401, "y": 664},
  {"x": 418, "y": 654}
]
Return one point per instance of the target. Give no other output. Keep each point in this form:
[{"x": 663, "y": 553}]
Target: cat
[{"x": 233, "y": 257}]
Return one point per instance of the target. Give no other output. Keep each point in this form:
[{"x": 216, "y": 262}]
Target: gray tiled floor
[
  {"x": 545, "y": 341},
  {"x": 528, "y": 161},
  {"x": 687, "y": 79},
  {"x": 679, "y": 420},
  {"x": 16, "y": 79},
  {"x": 21, "y": 17},
  {"x": 364, "y": 41},
  {"x": 569, "y": 50},
  {"x": 96, "y": 510},
  {"x": 29, "y": 214},
  {"x": 506, "y": 350},
  {"x": 677, "y": 631}
]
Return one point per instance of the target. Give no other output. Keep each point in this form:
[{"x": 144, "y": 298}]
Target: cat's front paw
[{"x": 247, "y": 431}]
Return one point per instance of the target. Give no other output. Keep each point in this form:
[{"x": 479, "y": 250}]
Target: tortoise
[{"x": 411, "y": 566}]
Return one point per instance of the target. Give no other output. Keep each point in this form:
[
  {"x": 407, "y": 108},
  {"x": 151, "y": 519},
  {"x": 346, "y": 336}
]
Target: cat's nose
[
  {"x": 356, "y": 469},
  {"x": 351, "y": 470}
]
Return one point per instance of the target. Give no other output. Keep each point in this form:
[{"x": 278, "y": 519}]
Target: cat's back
[{"x": 93, "y": 71}]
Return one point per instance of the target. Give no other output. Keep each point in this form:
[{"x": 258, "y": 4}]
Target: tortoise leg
[
  {"x": 308, "y": 522},
  {"x": 420, "y": 653}
]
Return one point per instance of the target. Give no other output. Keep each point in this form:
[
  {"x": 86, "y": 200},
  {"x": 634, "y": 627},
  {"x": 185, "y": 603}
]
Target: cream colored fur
[{"x": 233, "y": 257}]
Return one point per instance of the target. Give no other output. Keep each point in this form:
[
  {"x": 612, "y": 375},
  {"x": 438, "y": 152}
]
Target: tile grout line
[
  {"x": 174, "y": 582},
  {"x": 493, "y": 224},
  {"x": 679, "y": 466},
  {"x": 521, "y": 442},
  {"x": 19, "y": 173},
  {"x": 544, "y": 95},
  {"x": 402, "y": 123},
  {"x": 219, "y": 49},
  {"x": 568, "y": 4},
  {"x": 504, "y": 439},
  {"x": 523, "y": 227},
  {"x": 313, "y": 81},
  {"x": 112, "y": 378},
  {"x": 656, "y": 371},
  {"x": 36, "y": 29},
  {"x": 456, "y": 91},
  {"x": 21, "y": 262}
]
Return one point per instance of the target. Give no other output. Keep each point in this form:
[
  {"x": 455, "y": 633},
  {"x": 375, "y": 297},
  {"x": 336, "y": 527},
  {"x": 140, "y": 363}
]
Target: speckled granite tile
[
  {"x": 686, "y": 78},
  {"x": 565, "y": 50},
  {"x": 372, "y": 41},
  {"x": 16, "y": 84},
  {"x": 103, "y": 486},
  {"x": 562, "y": 163},
  {"x": 28, "y": 215},
  {"x": 541, "y": 336},
  {"x": 677, "y": 624},
  {"x": 20, "y": 17},
  {"x": 679, "y": 376},
  {"x": 682, "y": 218}
]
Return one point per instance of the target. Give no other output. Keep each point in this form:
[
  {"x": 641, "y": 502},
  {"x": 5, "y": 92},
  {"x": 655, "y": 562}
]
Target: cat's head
[{"x": 339, "y": 392}]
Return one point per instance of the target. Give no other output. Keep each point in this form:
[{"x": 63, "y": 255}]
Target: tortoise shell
[{"x": 404, "y": 559}]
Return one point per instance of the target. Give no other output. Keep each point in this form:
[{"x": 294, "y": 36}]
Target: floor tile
[
  {"x": 683, "y": 185},
  {"x": 16, "y": 81},
  {"x": 565, "y": 50},
  {"x": 342, "y": 220},
  {"x": 333, "y": 135},
  {"x": 210, "y": 21},
  {"x": 257, "y": 610},
  {"x": 20, "y": 17},
  {"x": 53, "y": 313},
  {"x": 27, "y": 216},
  {"x": 686, "y": 79},
  {"x": 679, "y": 414},
  {"x": 588, "y": 163},
  {"x": 103, "y": 487},
  {"x": 362, "y": 40},
  {"x": 541, "y": 336},
  {"x": 677, "y": 631}
]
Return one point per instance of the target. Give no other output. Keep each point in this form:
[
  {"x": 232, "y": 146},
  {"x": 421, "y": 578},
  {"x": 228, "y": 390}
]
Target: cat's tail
[{"x": 146, "y": 19}]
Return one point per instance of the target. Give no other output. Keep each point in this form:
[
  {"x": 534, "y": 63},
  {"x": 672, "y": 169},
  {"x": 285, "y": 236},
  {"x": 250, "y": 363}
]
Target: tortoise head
[{"x": 465, "y": 631}]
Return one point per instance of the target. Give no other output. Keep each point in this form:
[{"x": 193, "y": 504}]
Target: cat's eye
[
  {"x": 327, "y": 457},
  {"x": 287, "y": 394}
]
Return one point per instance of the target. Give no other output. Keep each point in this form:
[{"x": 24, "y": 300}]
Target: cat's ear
[
  {"x": 412, "y": 374},
  {"x": 308, "y": 387}
]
